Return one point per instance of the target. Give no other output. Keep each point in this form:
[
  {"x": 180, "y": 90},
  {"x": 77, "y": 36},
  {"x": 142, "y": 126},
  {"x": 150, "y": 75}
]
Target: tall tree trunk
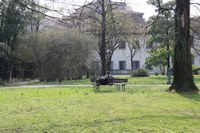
[
  {"x": 168, "y": 59},
  {"x": 183, "y": 76},
  {"x": 109, "y": 58},
  {"x": 103, "y": 65},
  {"x": 11, "y": 65},
  {"x": 132, "y": 55},
  {"x": 103, "y": 40}
]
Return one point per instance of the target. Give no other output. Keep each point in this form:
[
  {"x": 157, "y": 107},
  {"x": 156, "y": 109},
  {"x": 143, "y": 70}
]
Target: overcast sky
[
  {"x": 148, "y": 10},
  {"x": 136, "y": 5}
]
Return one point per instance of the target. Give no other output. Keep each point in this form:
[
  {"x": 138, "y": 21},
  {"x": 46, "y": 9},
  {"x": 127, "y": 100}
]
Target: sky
[
  {"x": 136, "y": 5},
  {"x": 148, "y": 10}
]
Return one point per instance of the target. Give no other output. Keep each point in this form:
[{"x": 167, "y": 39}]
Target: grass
[
  {"x": 140, "y": 109},
  {"x": 152, "y": 79}
]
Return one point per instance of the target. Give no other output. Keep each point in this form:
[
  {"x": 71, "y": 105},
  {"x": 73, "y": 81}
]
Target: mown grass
[
  {"x": 80, "y": 109},
  {"x": 64, "y": 82},
  {"x": 152, "y": 79}
]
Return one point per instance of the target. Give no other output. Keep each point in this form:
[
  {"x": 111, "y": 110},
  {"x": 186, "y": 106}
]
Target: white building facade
[{"x": 121, "y": 59}]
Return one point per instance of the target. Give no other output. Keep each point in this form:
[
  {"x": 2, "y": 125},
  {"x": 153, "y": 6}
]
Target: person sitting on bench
[
  {"x": 105, "y": 80},
  {"x": 108, "y": 76}
]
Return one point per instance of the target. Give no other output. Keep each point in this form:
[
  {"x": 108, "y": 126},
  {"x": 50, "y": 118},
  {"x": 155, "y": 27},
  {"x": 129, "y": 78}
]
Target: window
[
  {"x": 122, "y": 65},
  {"x": 136, "y": 64},
  {"x": 122, "y": 45}
]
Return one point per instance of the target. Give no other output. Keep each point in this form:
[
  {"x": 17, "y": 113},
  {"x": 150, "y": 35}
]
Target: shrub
[{"x": 140, "y": 72}]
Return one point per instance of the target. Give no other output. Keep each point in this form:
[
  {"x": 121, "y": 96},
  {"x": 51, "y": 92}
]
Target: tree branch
[
  {"x": 43, "y": 12},
  {"x": 195, "y": 4}
]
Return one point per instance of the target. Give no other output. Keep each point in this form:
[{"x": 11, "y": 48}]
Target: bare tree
[{"x": 109, "y": 22}]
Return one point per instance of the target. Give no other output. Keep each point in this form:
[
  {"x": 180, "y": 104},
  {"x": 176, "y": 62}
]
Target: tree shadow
[
  {"x": 104, "y": 91},
  {"x": 123, "y": 120},
  {"x": 108, "y": 91},
  {"x": 191, "y": 96},
  {"x": 159, "y": 78}
]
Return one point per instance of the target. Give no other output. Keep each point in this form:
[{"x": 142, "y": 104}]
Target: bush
[{"x": 140, "y": 72}]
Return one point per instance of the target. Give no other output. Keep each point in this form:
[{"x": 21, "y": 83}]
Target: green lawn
[
  {"x": 152, "y": 79},
  {"x": 140, "y": 109}
]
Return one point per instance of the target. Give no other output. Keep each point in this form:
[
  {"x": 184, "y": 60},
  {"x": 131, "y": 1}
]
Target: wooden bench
[{"x": 120, "y": 83}]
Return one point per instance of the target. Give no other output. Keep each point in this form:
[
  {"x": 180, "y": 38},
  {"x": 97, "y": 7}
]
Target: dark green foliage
[
  {"x": 161, "y": 37},
  {"x": 140, "y": 72},
  {"x": 13, "y": 21},
  {"x": 4, "y": 69},
  {"x": 157, "y": 58}
]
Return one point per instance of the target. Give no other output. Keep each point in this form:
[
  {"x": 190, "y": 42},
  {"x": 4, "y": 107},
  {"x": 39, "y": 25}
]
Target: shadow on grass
[
  {"x": 191, "y": 96},
  {"x": 159, "y": 78},
  {"x": 108, "y": 91},
  {"x": 121, "y": 121},
  {"x": 111, "y": 90},
  {"x": 105, "y": 91}
]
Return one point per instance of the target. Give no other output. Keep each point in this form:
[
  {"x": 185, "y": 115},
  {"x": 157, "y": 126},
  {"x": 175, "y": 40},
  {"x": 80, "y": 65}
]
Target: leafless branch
[
  {"x": 197, "y": 7},
  {"x": 48, "y": 9},
  {"x": 195, "y": 4},
  {"x": 34, "y": 10},
  {"x": 45, "y": 9}
]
